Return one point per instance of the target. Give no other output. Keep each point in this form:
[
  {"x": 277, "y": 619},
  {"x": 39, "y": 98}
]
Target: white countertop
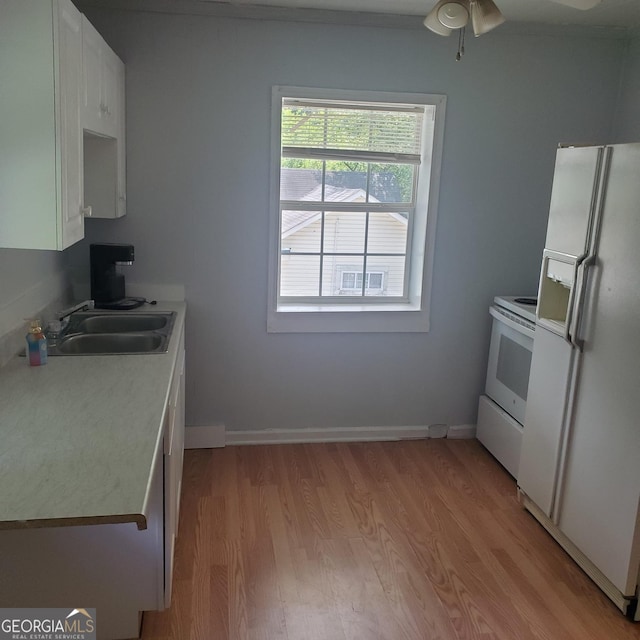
[{"x": 80, "y": 436}]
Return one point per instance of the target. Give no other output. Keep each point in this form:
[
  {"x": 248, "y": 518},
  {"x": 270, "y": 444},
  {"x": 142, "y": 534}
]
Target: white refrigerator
[{"x": 579, "y": 472}]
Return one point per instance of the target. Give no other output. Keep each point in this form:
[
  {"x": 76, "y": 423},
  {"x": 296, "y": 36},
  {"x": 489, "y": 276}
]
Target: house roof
[
  {"x": 297, "y": 183},
  {"x": 305, "y": 185}
]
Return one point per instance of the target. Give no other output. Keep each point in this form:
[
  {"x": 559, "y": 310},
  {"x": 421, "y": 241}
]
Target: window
[
  {"x": 351, "y": 283},
  {"x": 353, "y": 208}
]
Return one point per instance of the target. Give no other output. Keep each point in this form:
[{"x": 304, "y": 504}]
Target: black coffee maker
[{"x": 107, "y": 285}]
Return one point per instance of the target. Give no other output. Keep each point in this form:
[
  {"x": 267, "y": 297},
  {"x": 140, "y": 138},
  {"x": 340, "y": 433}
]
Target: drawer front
[{"x": 500, "y": 434}]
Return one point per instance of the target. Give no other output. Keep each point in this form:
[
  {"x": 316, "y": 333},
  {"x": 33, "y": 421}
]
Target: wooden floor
[{"x": 415, "y": 539}]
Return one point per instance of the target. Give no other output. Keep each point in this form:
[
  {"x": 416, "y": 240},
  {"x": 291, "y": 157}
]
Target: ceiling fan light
[
  {"x": 453, "y": 15},
  {"x": 432, "y": 23},
  {"x": 485, "y": 16}
]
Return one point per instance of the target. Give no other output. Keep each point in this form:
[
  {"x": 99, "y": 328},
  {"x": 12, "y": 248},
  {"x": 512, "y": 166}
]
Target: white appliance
[
  {"x": 501, "y": 411},
  {"x": 579, "y": 471}
]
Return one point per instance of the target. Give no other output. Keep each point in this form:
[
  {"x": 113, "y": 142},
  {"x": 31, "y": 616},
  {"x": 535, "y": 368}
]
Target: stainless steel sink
[
  {"x": 114, "y": 333},
  {"x": 112, "y": 343},
  {"x": 91, "y": 322}
]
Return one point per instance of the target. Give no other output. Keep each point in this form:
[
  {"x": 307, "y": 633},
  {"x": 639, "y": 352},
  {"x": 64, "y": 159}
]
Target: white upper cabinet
[
  {"x": 101, "y": 71},
  {"x": 41, "y": 166},
  {"x": 92, "y": 45},
  {"x": 103, "y": 121},
  {"x": 67, "y": 101},
  {"x": 50, "y": 178}
]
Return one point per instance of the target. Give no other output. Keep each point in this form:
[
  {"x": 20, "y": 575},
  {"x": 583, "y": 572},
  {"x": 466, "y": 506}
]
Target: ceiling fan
[{"x": 450, "y": 15}]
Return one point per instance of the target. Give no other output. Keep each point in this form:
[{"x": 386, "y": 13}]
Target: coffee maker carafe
[{"x": 107, "y": 285}]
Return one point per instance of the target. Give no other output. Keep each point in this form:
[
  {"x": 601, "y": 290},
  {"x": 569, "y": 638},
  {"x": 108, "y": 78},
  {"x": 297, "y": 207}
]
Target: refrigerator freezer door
[
  {"x": 573, "y": 198},
  {"x": 549, "y": 388},
  {"x": 599, "y": 507}
]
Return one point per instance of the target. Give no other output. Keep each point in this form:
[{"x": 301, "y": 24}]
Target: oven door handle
[{"x": 512, "y": 323}]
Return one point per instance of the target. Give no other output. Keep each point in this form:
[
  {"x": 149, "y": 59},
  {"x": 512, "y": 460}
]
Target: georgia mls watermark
[{"x": 47, "y": 624}]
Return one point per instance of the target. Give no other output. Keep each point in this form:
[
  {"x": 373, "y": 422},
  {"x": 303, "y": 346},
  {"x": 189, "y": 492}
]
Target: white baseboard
[
  {"x": 461, "y": 432},
  {"x": 211, "y": 437},
  {"x": 215, "y": 436},
  {"x": 346, "y": 434}
]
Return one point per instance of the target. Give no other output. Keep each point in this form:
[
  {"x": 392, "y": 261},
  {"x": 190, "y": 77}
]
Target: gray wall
[
  {"x": 627, "y": 124},
  {"x": 198, "y": 100}
]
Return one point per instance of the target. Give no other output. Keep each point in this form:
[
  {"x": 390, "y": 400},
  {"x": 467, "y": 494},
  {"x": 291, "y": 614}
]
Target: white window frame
[{"x": 373, "y": 314}]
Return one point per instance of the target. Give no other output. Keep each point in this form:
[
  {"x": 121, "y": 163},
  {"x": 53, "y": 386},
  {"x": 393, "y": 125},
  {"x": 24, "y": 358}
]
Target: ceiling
[{"x": 610, "y": 13}]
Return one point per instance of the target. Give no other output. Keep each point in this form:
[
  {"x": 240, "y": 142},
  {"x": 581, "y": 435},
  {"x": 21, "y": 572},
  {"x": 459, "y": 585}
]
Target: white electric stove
[{"x": 501, "y": 410}]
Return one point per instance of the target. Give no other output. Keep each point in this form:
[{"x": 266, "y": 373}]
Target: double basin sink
[{"x": 114, "y": 333}]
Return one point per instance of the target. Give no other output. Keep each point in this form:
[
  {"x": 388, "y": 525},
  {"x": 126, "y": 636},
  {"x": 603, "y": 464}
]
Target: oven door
[{"x": 509, "y": 362}]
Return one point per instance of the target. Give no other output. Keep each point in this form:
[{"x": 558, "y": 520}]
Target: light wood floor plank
[{"x": 413, "y": 540}]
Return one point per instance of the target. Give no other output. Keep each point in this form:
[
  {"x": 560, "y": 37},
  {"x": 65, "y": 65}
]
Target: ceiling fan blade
[
  {"x": 579, "y": 4},
  {"x": 485, "y": 16}
]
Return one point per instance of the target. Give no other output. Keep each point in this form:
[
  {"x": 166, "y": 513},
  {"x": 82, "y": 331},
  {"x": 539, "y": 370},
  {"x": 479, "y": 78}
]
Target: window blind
[{"x": 340, "y": 129}]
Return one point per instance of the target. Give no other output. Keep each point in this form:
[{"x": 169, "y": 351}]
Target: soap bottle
[
  {"x": 52, "y": 333},
  {"x": 36, "y": 345}
]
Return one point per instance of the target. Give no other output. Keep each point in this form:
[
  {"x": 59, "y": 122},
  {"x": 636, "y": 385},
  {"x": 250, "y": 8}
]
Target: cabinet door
[
  {"x": 174, "y": 453},
  {"x": 121, "y": 206},
  {"x": 28, "y": 194},
  {"x": 40, "y": 138},
  {"x": 103, "y": 121},
  {"x": 179, "y": 439},
  {"x": 111, "y": 66},
  {"x": 101, "y": 83},
  {"x": 91, "y": 76},
  {"x": 68, "y": 56}
]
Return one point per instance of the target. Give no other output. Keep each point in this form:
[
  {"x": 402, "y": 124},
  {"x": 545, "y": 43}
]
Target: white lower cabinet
[
  {"x": 118, "y": 569},
  {"x": 115, "y": 568},
  {"x": 173, "y": 458}
]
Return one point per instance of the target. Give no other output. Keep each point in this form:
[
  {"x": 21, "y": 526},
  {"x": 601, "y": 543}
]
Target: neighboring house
[{"x": 344, "y": 234}]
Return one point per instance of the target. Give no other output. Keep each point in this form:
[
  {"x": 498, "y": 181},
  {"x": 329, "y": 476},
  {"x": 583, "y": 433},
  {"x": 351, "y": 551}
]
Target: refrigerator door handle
[
  {"x": 571, "y": 312},
  {"x": 576, "y": 301},
  {"x": 581, "y": 267},
  {"x": 573, "y": 326}
]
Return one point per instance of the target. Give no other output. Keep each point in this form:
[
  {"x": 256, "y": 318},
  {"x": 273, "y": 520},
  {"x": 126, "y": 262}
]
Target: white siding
[{"x": 344, "y": 233}]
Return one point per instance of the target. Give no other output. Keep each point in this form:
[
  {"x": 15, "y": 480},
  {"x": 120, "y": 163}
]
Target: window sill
[{"x": 352, "y": 318}]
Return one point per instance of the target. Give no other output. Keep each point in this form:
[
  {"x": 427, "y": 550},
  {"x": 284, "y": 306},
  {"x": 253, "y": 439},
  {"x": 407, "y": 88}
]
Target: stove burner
[{"x": 530, "y": 301}]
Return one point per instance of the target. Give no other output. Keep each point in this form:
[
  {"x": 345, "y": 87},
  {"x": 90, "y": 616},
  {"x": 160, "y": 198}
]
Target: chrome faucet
[{"x": 82, "y": 306}]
